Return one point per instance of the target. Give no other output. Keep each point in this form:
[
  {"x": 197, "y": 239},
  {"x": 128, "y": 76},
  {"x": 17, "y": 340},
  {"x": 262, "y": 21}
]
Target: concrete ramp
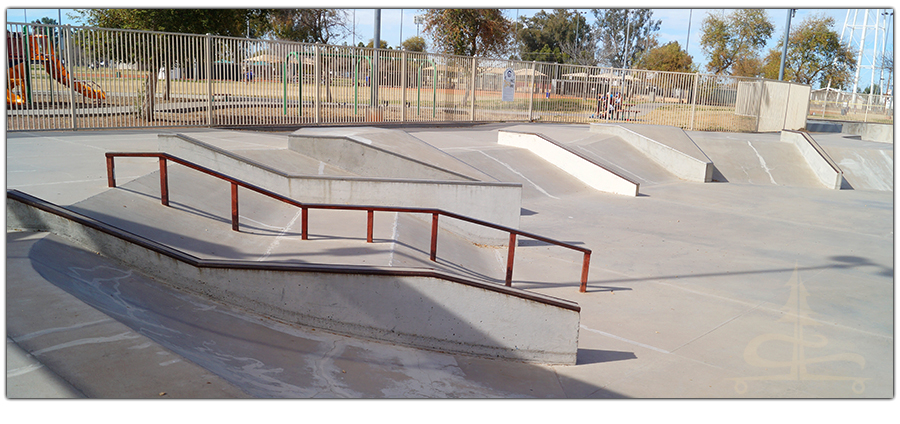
[
  {"x": 867, "y": 165},
  {"x": 759, "y": 159},
  {"x": 825, "y": 169},
  {"x": 580, "y": 166},
  {"x": 670, "y": 147}
]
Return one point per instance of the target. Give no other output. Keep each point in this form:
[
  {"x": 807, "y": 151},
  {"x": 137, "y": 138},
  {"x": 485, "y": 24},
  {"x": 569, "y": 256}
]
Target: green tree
[
  {"x": 740, "y": 35},
  {"x": 308, "y": 25},
  {"x": 553, "y": 37},
  {"x": 668, "y": 57},
  {"x": 624, "y": 34},
  {"x": 148, "y": 52},
  {"x": 815, "y": 54},
  {"x": 45, "y": 21},
  {"x": 469, "y": 32},
  {"x": 225, "y": 22},
  {"x": 381, "y": 44},
  {"x": 414, "y": 44}
]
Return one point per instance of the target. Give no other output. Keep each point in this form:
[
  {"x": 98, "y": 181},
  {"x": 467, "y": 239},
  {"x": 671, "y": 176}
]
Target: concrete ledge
[
  {"x": 586, "y": 170},
  {"x": 495, "y": 202},
  {"x": 415, "y": 307},
  {"x": 826, "y": 170},
  {"x": 882, "y": 133},
  {"x": 355, "y": 154},
  {"x": 691, "y": 167}
]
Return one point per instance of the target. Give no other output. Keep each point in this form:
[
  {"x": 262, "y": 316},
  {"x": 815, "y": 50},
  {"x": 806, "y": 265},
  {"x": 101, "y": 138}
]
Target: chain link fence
[
  {"x": 833, "y": 104},
  {"x": 65, "y": 77}
]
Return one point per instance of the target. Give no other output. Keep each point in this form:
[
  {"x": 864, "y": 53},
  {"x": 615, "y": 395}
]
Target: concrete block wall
[
  {"x": 495, "y": 202},
  {"x": 423, "y": 309}
]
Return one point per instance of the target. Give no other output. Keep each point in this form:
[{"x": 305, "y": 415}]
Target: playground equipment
[
  {"x": 356, "y": 58},
  {"x": 24, "y": 49}
]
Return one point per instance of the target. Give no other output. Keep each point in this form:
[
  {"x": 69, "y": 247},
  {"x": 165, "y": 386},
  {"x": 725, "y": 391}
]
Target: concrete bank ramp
[
  {"x": 668, "y": 146},
  {"x": 759, "y": 159},
  {"x": 396, "y": 153},
  {"x": 867, "y": 165},
  {"x": 584, "y": 168},
  {"x": 610, "y": 151}
]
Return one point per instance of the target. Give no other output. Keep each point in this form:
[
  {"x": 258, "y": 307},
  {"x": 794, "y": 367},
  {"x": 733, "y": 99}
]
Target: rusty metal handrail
[{"x": 370, "y": 210}]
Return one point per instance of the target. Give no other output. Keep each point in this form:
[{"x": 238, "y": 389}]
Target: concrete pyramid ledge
[
  {"x": 668, "y": 146},
  {"x": 491, "y": 201},
  {"x": 421, "y": 308}
]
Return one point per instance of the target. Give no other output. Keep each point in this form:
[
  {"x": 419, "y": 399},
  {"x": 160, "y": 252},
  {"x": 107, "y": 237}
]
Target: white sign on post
[{"x": 509, "y": 85}]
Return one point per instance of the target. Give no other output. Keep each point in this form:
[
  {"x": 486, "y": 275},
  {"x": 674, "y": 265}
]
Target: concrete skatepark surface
[{"x": 764, "y": 286}]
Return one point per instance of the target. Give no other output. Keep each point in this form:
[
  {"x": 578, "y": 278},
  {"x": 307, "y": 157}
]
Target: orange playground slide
[{"x": 40, "y": 53}]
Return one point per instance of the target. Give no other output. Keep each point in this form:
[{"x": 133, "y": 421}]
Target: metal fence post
[
  {"x": 318, "y": 76},
  {"x": 403, "y": 83},
  {"x": 474, "y": 70},
  {"x": 694, "y": 94},
  {"x": 71, "y": 73},
  {"x": 531, "y": 94},
  {"x": 209, "y": 73}
]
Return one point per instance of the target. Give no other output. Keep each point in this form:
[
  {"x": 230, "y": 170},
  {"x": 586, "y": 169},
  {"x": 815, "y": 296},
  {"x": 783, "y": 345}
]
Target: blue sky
[{"x": 675, "y": 22}]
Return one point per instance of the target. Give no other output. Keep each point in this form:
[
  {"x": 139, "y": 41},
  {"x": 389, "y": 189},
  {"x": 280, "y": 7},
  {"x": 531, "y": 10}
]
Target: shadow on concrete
[
  {"x": 528, "y": 242},
  {"x": 841, "y": 262},
  {"x": 845, "y": 185},
  {"x": 717, "y": 176},
  {"x": 267, "y": 359},
  {"x": 591, "y": 288},
  {"x": 596, "y": 356}
]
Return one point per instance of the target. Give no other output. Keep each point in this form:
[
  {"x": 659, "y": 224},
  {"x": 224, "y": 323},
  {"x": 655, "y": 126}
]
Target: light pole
[
  {"x": 418, "y": 19},
  {"x": 787, "y": 36},
  {"x": 577, "y": 25}
]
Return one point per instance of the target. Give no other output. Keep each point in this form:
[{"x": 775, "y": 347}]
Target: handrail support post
[
  {"x": 234, "y": 207},
  {"x": 370, "y": 219},
  {"x": 163, "y": 182},
  {"x": 304, "y": 223},
  {"x": 111, "y": 171},
  {"x": 510, "y": 258},
  {"x": 434, "y": 234},
  {"x": 584, "y": 272}
]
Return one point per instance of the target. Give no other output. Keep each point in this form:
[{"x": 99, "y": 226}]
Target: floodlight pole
[{"x": 787, "y": 35}]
